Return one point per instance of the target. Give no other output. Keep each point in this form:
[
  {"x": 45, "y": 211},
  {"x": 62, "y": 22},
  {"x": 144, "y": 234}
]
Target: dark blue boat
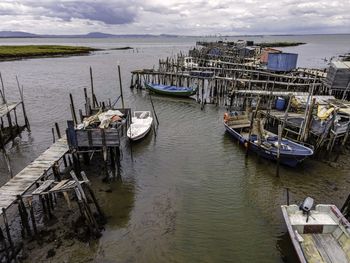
[
  {"x": 291, "y": 153},
  {"x": 171, "y": 90}
]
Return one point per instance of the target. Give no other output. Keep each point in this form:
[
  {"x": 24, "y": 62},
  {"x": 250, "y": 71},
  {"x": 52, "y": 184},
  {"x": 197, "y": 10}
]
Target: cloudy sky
[{"x": 183, "y": 17}]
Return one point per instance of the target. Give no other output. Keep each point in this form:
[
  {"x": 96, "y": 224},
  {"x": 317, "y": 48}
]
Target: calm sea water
[{"x": 190, "y": 195}]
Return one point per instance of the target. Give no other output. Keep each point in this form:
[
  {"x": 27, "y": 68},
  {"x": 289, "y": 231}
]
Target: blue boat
[
  {"x": 291, "y": 153},
  {"x": 171, "y": 90}
]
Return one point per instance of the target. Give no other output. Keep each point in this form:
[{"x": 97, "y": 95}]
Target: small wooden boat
[
  {"x": 291, "y": 153},
  {"x": 141, "y": 124},
  {"x": 321, "y": 235},
  {"x": 171, "y": 90}
]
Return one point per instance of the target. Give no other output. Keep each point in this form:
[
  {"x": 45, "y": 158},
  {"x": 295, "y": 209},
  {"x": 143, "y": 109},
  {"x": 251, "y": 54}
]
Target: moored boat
[
  {"x": 171, "y": 90},
  {"x": 264, "y": 143},
  {"x": 141, "y": 124},
  {"x": 318, "y": 235}
]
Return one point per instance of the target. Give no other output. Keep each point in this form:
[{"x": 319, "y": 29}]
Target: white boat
[
  {"x": 141, "y": 124},
  {"x": 321, "y": 235}
]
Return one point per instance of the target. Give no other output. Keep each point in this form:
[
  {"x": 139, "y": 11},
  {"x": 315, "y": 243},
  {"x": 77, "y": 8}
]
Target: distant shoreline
[
  {"x": 9, "y": 53},
  {"x": 100, "y": 35}
]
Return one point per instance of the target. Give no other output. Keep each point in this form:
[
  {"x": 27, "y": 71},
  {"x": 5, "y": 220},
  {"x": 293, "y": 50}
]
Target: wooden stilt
[
  {"x": 32, "y": 216},
  {"x": 8, "y": 231}
]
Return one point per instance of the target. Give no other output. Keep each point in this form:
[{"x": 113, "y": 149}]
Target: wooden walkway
[{"x": 25, "y": 179}]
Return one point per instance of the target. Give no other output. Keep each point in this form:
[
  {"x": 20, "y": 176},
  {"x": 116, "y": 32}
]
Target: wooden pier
[
  {"x": 10, "y": 125},
  {"x": 41, "y": 181},
  {"x": 36, "y": 170},
  {"x": 12, "y": 192},
  {"x": 225, "y": 76}
]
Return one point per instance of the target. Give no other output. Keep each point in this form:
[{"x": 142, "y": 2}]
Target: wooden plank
[
  {"x": 311, "y": 253},
  {"x": 43, "y": 187},
  {"x": 70, "y": 184},
  {"x": 329, "y": 248},
  {"x": 58, "y": 186}
]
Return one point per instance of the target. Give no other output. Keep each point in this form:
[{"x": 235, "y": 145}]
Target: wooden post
[
  {"x": 121, "y": 86},
  {"x": 112, "y": 158},
  {"x": 343, "y": 143},
  {"x": 98, "y": 207},
  {"x": 24, "y": 215},
  {"x": 76, "y": 163},
  {"x": 53, "y": 135},
  {"x": 74, "y": 116},
  {"x": 42, "y": 200},
  {"x": 58, "y": 130},
  {"x": 10, "y": 124},
  {"x": 8, "y": 231},
  {"x": 154, "y": 129},
  {"x": 32, "y": 216},
  {"x": 202, "y": 104},
  {"x": 56, "y": 171},
  {"x": 308, "y": 104},
  {"x": 105, "y": 164},
  {"x": 3, "y": 90},
  {"x": 117, "y": 158},
  {"x": 7, "y": 158},
  {"x": 251, "y": 125},
  {"x": 92, "y": 88},
  {"x": 2, "y": 240},
  {"x": 279, "y": 149},
  {"x": 286, "y": 113},
  {"x": 308, "y": 121},
  {"x": 154, "y": 111},
  {"x": 20, "y": 90},
  {"x": 81, "y": 115}
]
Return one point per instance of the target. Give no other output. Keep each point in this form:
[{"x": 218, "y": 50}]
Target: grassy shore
[
  {"x": 31, "y": 51},
  {"x": 280, "y": 44}
]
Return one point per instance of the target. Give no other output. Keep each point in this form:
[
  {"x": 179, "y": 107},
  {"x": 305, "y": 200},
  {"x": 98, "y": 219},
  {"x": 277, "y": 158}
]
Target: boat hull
[
  {"x": 318, "y": 235},
  {"x": 140, "y": 126},
  {"x": 140, "y": 136},
  {"x": 159, "y": 89},
  {"x": 291, "y": 160}
]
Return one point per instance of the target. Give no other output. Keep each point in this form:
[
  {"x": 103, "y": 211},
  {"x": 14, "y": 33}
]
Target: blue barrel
[{"x": 280, "y": 103}]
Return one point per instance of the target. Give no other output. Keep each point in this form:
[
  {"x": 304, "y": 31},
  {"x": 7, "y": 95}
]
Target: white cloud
[{"x": 195, "y": 17}]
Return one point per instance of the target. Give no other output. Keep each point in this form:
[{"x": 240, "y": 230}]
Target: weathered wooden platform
[{"x": 25, "y": 179}]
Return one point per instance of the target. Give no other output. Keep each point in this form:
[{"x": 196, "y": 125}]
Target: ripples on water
[{"x": 190, "y": 195}]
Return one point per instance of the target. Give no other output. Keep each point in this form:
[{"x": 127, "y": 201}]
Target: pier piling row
[{"x": 225, "y": 76}]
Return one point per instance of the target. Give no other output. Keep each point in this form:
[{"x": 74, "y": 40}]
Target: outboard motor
[{"x": 306, "y": 206}]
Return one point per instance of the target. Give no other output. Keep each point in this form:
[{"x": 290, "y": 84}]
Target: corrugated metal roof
[{"x": 341, "y": 64}]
